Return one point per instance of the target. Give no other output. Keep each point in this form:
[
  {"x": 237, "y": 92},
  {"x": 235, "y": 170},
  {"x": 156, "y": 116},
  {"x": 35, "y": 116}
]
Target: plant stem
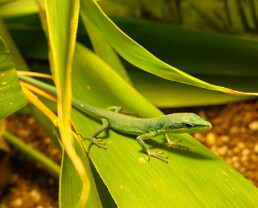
[
  {"x": 254, "y": 14},
  {"x": 32, "y": 153},
  {"x": 242, "y": 15}
]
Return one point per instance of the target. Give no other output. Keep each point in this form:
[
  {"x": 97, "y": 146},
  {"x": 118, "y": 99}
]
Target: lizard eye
[{"x": 188, "y": 125}]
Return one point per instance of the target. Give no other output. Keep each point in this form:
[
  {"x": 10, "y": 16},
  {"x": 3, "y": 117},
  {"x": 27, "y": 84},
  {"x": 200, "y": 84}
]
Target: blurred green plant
[{"x": 120, "y": 176}]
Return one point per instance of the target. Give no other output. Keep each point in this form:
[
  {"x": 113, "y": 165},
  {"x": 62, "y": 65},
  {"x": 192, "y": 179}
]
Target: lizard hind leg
[
  {"x": 118, "y": 109},
  {"x": 175, "y": 143},
  {"x": 93, "y": 137}
]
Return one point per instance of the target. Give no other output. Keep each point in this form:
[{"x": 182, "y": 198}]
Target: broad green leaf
[
  {"x": 11, "y": 96},
  {"x": 73, "y": 182},
  {"x": 10, "y": 8},
  {"x": 228, "y": 69},
  {"x": 70, "y": 178},
  {"x": 195, "y": 52},
  {"x": 166, "y": 94},
  {"x": 139, "y": 56},
  {"x": 62, "y": 21},
  {"x": 71, "y": 185},
  {"x": 103, "y": 48},
  {"x": 16, "y": 56},
  {"x": 195, "y": 178}
]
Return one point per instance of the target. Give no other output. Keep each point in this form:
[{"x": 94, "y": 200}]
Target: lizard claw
[
  {"x": 158, "y": 155},
  {"x": 98, "y": 143},
  {"x": 176, "y": 144},
  {"x": 94, "y": 141}
]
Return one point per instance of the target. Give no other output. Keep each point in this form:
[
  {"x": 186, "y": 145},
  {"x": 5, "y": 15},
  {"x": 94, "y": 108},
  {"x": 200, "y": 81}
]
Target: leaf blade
[
  {"x": 133, "y": 180},
  {"x": 62, "y": 22},
  {"x": 11, "y": 96},
  {"x": 139, "y": 56}
]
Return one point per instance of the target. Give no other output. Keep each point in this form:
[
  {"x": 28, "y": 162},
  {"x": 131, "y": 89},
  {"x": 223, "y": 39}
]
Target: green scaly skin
[{"x": 143, "y": 128}]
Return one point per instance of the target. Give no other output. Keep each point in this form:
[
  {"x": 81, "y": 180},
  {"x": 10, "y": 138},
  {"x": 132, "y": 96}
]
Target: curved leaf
[
  {"x": 103, "y": 48},
  {"x": 11, "y": 96},
  {"x": 62, "y": 22},
  {"x": 139, "y": 56},
  {"x": 11, "y": 8},
  {"x": 197, "y": 178}
]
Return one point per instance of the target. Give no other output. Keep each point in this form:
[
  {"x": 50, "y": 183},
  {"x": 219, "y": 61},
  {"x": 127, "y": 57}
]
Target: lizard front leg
[
  {"x": 158, "y": 155},
  {"x": 93, "y": 137}
]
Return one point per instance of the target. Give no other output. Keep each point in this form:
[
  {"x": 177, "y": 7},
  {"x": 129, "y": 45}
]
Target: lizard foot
[
  {"x": 94, "y": 141},
  {"x": 176, "y": 144},
  {"x": 98, "y": 142},
  {"x": 158, "y": 155}
]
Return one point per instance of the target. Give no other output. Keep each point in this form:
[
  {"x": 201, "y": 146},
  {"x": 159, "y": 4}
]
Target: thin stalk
[
  {"x": 34, "y": 74},
  {"x": 40, "y": 105},
  {"x": 253, "y": 13},
  {"x": 38, "y": 83},
  {"x": 206, "y": 18},
  {"x": 226, "y": 7},
  {"x": 179, "y": 12},
  {"x": 39, "y": 91},
  {"x": 32, "y": 153},
  {"x": 242, "y": 15}
]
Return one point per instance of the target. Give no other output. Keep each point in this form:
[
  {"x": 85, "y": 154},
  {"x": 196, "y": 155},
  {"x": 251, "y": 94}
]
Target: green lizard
[{"x": 143, "y": 128}]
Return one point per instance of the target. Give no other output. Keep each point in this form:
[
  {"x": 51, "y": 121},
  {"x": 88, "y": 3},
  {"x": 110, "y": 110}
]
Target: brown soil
[
  {"x": 30, "y": 186},
  {"x": 233, "y": 138}
]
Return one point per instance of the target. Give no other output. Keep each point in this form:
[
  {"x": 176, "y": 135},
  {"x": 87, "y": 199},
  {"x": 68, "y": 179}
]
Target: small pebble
[
  {"x": 31, "y": 120},
  {"x": 236, "y": 149},
  {"x": 228, "y": 160},
  {"x": 35, "y": 194},
  {"x": 235, "y": 159},
  {"x": 197, "y": 135},
  {"x": 253, "y": 126},
  {"x": 242, "y": 169},
  {"x": 211, "y": 139},
  {"x": 17, "y": 202},
  {"x": 246, "y": 152},
  {"x": 236, "y": 165},
  {"x": 254, "y": 158},
  {"x": 230, "y": 152},
  {"x": 234, "y": 130},
  {"x": 224, "y": 138},
  {"x": 244, "y": 158},
  {"x": 241, "y": 145},
  {"x": 256, "y": 148},
  {"x": 223, "y": 150},
  {"x": 214, "y": 149},
  {"x": 14, "y": 178},
  {"x": 202, "y": 114}
]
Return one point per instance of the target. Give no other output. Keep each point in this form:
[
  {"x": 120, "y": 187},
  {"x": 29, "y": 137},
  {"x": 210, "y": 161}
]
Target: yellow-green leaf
[
  {"x": 62, "y": 22},
  {"x": 139, "y": 56},
  {"x": 11, "y": 96},
  {"x": 195, "y": 178}
]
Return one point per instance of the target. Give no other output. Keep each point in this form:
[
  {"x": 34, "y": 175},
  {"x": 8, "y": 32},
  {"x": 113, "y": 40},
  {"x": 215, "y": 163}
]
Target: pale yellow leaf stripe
[{"x": 62, "y": 22}]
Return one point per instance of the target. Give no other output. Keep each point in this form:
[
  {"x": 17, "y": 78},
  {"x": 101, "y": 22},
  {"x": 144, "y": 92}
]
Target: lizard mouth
[{"x": 192, "y": 129}]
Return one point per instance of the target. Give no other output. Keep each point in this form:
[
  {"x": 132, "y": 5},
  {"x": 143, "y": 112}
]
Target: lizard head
[{"x": 187, "y": 123}]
